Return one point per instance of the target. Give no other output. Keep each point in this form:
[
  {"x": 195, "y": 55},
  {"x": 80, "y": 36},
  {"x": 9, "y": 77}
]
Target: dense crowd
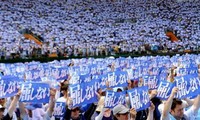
[
  {"x": 171, "y": 108},
  {"x": 96, "y": 27}
]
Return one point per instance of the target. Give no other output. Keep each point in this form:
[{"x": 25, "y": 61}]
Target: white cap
[{"x": 120, "y": 109}]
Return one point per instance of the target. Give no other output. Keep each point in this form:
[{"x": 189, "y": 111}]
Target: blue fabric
[{"x": 85, "y": 107}]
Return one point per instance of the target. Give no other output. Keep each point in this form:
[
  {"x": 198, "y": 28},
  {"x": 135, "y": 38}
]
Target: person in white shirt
[{"x": 174, "y": 109}]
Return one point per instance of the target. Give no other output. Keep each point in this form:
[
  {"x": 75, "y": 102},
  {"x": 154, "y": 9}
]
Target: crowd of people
[
  {"x": 96, "y": 27},
  {"x": 172, "y": 108}
]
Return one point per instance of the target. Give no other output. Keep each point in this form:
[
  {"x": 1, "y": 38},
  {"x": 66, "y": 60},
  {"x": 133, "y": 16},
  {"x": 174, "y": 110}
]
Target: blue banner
[
  {"x": 32, "y": 66},
  {"x": 194, "y": 85},
  {"x": 136, "y": 74},
  {"x": 59, "y": 73},
  {"x": 103, "y": 80},
  {"x": 114, "y": 98},
  {"x": 130, "y": 73},
  {"x": 164, "y": 89},
  {"x": 35, "y": 92},
  {"x": 118, "y": 79},
  {"x": 46, "y": 70},
  {"x": 188, "y": 86},
  {"x": 155, "y": 71},
  {"x": 139, "y": 98},
  {"x": 83, "y": 93},
  {"x": 9, "y": 86},
  {"x": 34, "y": 75},
  {"x": 163, "y": 70},
  {"x": 192, "y": 70},
  {"x": 85, "y": 78},
  {"x": 59, "y": 109},
  {"x": 162, "y": 76},
  {"x": 183, "y": 84},
  {"x": 93, "y": 69},
  {"x": 151, "y": 81},
  {"x": 186, "y": 71},
  {"x": 144, "y": 70}
]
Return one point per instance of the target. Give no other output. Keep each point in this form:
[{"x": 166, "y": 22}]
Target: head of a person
[
  {"x": 119, "y": 90},
  {"x": 64, "y": 89},
  {"x": 177, "y": 109},
  {"x": 2, "y": 101},
  {"x": 120, "y": 112},
  {"x": 99, "y": 91},
  {"x": 1, "y": 111},
  {"x": 75, "y": 113}
]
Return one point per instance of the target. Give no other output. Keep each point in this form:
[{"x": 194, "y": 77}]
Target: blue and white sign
[
  {"x": 118, "y": 79},
  {"x": 83, "y": 93},
  {"x": 59, "y": 109},
  {"x": 114, "y": 98},
  {"x": 151, "y": 81},
  {"x": 35, "y": 92},
  {"x": 139, "y": 98},
  {"x": 9, "y": 86},
  {"x": 164, "y": 89}
]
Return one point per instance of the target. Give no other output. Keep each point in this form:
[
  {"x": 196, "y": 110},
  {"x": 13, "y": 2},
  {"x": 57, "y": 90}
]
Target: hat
[
  {"x": 120, "y": 109},
  {"x": 33, "y": 106}
]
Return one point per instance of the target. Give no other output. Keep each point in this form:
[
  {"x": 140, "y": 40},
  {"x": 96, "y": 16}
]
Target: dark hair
[
  {"x": 103, "y": 93},
  {"x": 176, "y": 102},
  {"x": 64, "y": 87},
  {"x": 2, "y": 109},
  {"x": 119, "y": 90}
]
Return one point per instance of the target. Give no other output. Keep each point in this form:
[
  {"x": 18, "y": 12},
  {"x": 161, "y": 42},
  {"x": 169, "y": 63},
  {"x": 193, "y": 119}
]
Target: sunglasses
[{"x": 76, "y": 109}]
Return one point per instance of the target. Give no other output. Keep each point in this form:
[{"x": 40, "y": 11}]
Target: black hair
[
  {"x": 119, "y": 90},
  {"x": 176, "y": 102},
  {"x": 64, "y": 87}
]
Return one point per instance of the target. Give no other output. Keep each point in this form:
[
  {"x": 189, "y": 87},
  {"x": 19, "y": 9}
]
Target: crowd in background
[{"x": 96, "y": 27}]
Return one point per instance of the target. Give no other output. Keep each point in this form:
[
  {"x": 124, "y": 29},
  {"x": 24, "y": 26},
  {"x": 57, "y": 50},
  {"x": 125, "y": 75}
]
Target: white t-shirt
[{"x": 189, "y": 114}]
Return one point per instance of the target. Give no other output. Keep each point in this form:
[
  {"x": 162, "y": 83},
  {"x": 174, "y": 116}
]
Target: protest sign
[
  {"x": 114, "y": 98},
  {"x": 59, "y": 109},
  {"x": 139, "y": 98},
  {"x": 164, "y": 89},
  {"x": 35, "y": 92},
  {"x": 83, "y": 93}
]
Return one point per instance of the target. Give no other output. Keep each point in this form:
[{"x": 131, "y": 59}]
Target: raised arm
[
  {"x": 168, "y": 104},
  {"x": 13, "y": 104},
  {"x": 196, "y": 104},
  {"x": 51, "y": 102},
  {"x": 133, "y": 114},
  {"x": 22, "y": 109},
  {"x": 151, "y": 112},
  {"x": 189, "y": 102}
]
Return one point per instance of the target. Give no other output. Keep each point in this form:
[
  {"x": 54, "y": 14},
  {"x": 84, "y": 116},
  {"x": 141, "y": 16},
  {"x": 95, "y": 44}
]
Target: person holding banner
[
  {"x": 173, "y": 108},
  {"x": 33, "y": 113},
  {"x": 121, "y": 112},
  {"x": 11, "y": 109},
  {"x": 76, "y": 112}
]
